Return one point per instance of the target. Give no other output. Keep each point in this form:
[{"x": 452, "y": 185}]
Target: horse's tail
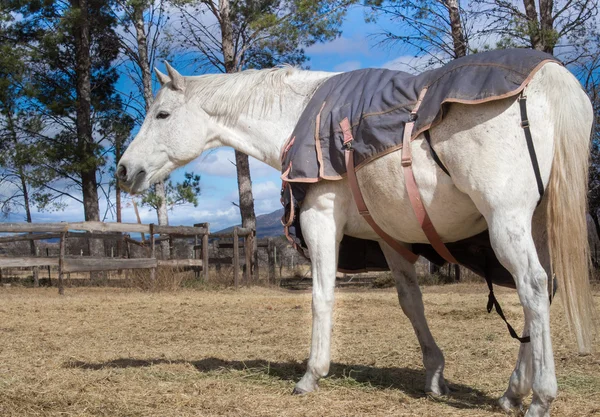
[{"x": 567, "y": 200}]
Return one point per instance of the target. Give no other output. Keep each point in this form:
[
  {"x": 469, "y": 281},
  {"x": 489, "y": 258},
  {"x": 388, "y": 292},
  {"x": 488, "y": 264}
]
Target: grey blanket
[{"x": 377, "y": 103}]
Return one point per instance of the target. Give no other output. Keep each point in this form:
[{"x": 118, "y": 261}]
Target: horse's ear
[
  {"x": 177, "y": 80},
  {"x": 162, "y": 78}
]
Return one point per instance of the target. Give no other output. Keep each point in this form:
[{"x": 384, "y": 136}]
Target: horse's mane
[{"x": 228, "y": 96}]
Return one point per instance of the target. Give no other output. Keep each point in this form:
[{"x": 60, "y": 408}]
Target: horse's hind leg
[
  {"x": 520, "y": 382},
  {"x": 511, "y": 238},
  {"x": 411, "y": 302}
]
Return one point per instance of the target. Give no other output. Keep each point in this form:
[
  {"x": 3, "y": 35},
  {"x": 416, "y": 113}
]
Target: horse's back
[{"x": 484, "y": 148}]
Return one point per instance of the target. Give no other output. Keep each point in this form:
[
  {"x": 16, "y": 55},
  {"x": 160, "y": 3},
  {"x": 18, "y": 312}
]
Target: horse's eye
[{"x": 162, "y": 115}]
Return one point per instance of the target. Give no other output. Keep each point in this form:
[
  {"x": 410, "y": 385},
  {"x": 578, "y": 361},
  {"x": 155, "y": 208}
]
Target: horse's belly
[{"x": 452, "y": 212}]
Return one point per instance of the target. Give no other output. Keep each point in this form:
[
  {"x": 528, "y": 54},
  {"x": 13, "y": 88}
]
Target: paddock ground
[{"x": 120, "y": 352}]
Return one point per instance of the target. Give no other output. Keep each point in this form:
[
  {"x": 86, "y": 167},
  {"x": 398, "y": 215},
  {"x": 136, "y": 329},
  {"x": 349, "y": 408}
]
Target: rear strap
[
  {"x": 434, "y": 154},
  {"x": 359, "y": 200},
  {"x": 534, "y": 162},
  {"x": 493, "y": 302}
]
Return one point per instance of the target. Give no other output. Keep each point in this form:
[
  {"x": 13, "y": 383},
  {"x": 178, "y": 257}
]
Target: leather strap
[
  {"x": 359, "y": 200},
  {"x": 434, "y": 154},
  {"x": 413, "y": 190},
  {"x": 493, "y": 303},
  {"x": 534, "y": 162}
]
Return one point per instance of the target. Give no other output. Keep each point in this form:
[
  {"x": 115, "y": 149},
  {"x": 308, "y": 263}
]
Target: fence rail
[{"x": 121, "y": 232}]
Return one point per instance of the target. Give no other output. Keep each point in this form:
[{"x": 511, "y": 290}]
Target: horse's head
[{"x": 173, "y": 134}]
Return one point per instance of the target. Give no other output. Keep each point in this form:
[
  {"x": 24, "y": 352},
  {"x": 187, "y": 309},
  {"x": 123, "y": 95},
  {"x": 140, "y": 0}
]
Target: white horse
[{"x": 492, "y": 186}]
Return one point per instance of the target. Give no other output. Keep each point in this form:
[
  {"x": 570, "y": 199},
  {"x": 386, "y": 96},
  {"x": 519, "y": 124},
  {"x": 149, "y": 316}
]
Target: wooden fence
[{"x": 98, "y": 230}]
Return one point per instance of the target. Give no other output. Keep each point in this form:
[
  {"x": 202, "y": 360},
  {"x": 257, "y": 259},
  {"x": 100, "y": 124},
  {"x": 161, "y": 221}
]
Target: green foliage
[
  {"x": 266, "y": 32},
  {"x": 22, "y": 180},
  {"x": 42, "y": 88},
  {"x": 423, "y": 29},
  {"x": 177, "y": 194}
]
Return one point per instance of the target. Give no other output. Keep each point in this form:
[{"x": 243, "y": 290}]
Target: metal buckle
[
  {"x": 407, "y": 162},
  {"x": 413, "y": 116},
  {"x": 525, "y": 123},
  {"x": 347, "y": 145}
]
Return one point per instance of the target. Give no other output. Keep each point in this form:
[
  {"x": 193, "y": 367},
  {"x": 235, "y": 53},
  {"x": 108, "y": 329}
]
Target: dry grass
[{"x": 121, "y": 352}]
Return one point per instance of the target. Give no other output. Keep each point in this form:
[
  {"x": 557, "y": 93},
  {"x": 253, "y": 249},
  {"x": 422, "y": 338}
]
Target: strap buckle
[
  {"x": 525, "y": 123},
  {"x": 413, "y": 116},
  {"x": 406, "y": 162}
]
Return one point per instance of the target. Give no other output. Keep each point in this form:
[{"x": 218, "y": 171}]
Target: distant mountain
[{"x": 267, "y": 225}]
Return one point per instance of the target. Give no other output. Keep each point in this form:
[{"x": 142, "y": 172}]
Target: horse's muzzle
[{"x": 131, "y": 179}]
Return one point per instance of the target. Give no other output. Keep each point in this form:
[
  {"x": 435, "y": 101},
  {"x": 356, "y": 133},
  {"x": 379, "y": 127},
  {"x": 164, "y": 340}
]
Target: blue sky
[{"x": 354, "y": 49}]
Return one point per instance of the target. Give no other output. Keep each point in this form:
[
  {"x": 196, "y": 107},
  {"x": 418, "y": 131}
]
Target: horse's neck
[{"x": 262, "y": 134}]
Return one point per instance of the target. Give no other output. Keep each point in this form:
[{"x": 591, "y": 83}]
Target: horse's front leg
[{"x": 322, "y": 230}]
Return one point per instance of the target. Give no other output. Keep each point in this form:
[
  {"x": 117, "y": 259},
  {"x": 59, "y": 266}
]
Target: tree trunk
[
  {"x": 144, "y": 64},
  {"x": 85, "y": 141},
  {"x": 245, "y": 190},
  {"x": 32, "y": 245},
  {"x": 163, "y": 217},
  {"x": 548, "y": 35},
  {"x": 459, "y": 44},
  {"x": 241, "y": 159},
  {"x": 142, "y": 49},
  {"x": 227, "y": 43},
  {"x": 533, "y": 25}
]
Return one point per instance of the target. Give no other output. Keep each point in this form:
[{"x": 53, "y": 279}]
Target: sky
[{"x": 356, "y": 48}]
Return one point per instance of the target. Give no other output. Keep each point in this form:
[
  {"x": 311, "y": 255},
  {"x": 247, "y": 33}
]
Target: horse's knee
[{"x": 533, "y": 290}]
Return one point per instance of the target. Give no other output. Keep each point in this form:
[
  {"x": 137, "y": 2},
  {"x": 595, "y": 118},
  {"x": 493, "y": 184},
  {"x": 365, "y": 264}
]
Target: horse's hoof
[
  {"x": 299, "y": 391},
  {"x": 303, "y": 387},
  {"x": 441, "y": 390},
  {"x": 511, "y": 406}
]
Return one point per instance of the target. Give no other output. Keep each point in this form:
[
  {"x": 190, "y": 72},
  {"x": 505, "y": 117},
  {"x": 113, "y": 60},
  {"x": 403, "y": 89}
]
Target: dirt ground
[{"x": 119, "y": 352}]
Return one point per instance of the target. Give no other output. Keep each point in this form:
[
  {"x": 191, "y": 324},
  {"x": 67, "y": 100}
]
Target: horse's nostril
[{"x": 122, "y": 173}]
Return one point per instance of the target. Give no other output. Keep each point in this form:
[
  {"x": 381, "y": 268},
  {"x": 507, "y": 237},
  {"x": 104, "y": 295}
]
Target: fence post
[
  {"x": 271, "y": 260},
  {"x": 205, "y": 265},
  {"x": 236, "y": 258},
  {"x": 195, "y": 255},
  {"x": 171, "y": 247},
  {"x": 152, "y": 252},
  {"x": 49, "y": 272},
  {"x": 248, "y": 249},
  {"x": 36, "y": 272},
  {"x": 61, "y": 261},
  {"x": 255, "y": 273}
]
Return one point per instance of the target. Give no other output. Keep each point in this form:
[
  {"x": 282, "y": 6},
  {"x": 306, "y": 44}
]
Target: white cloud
[
  {"x": 266, "y": 194},
  {"x": 220, "y": 163},
  {"x": 341, "y": 45},
  {"x": 265, "y": 190},
  {"x": 413, "y": 64},
  {"x": 347, "y": 66}
]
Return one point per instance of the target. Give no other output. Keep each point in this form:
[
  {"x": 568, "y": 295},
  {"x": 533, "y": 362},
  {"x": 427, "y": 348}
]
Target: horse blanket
[{"x": 377, "y": 103}]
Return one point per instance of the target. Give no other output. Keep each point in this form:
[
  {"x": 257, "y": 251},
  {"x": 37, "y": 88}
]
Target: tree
[
  {"x": 141, "y": 44},
  {"x": 231, "y": 36},
  {"x": 177, "y": 194},
  {"x": 438, "y": 30},
  {"x": 71, "y": 49},
  {"x": 544, "y": 26}
]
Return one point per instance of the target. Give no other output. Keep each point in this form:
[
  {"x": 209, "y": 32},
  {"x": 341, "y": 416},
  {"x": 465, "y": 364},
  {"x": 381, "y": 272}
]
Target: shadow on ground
[{"x": 409, "y": 381}]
